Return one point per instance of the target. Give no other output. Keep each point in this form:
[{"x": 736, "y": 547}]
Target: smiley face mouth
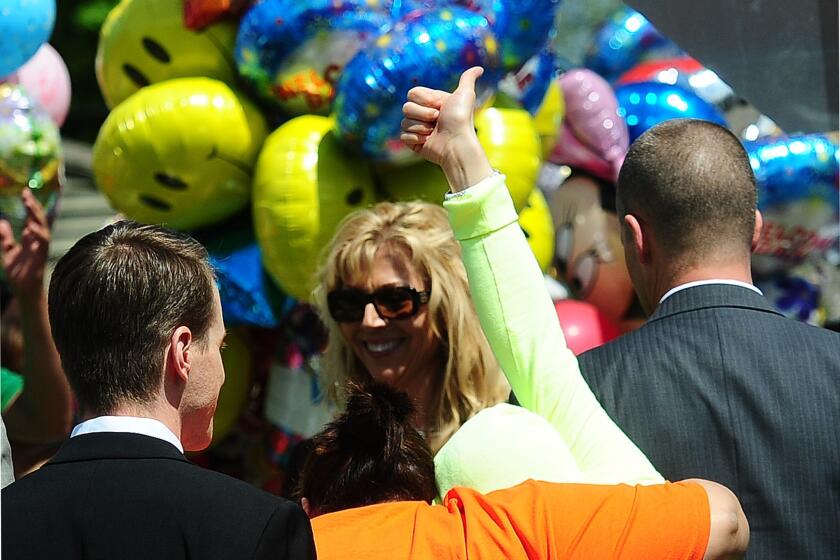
[{"x": 242, "y": 166}]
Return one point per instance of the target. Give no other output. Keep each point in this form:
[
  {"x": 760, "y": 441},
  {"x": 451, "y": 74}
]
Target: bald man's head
[{"x": 691, "y": 182}]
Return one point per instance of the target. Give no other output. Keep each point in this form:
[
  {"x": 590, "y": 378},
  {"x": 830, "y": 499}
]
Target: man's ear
[
  {"x": 636, "y": 235},
  {"x": 178, "y": 353},
  {"x": 759, "y": 225}
]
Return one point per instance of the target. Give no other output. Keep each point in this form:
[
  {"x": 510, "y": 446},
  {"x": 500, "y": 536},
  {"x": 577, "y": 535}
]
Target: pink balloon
[
  {"x": 584, "y": 325},
  {"x": 47, "y": 81},
  {"x": 593, "y": 136}
]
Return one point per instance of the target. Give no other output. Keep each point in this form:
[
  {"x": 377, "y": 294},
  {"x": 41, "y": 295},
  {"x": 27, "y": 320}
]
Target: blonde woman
[{"x": 394, "y": 295}]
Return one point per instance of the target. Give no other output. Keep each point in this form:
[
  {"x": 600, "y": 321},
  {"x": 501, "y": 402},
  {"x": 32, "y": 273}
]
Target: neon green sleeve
[{"x": 520, "y": 322}]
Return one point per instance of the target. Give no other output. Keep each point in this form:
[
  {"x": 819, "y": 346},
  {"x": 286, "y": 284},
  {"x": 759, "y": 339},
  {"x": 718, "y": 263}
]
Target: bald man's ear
[
  {"x": 759, "y": 225},
  {"x": 636, "y": 238}
]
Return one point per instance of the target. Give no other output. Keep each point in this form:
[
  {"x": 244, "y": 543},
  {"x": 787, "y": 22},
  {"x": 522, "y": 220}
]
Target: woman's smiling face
[{"x": 395, "y": 351}]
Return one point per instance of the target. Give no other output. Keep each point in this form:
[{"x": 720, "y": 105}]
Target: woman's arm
[
  {"x": 729, "y": 533},
  {"x": 514, "y": 308}
]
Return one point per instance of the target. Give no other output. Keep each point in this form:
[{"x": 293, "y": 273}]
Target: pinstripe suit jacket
[{"x": 719, "y": 385}]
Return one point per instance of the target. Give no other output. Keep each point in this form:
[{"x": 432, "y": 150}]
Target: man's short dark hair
[
  {"x": 368, "y": 455},
  {"x": 114, "y": 300},
  {"x": 692, "y": 181}
]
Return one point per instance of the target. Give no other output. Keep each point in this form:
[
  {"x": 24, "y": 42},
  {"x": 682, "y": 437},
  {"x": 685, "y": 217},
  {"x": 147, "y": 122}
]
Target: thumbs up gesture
[{"x": 438, "y": 125}]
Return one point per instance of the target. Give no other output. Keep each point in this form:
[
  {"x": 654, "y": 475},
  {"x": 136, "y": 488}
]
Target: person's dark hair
[
  {"x": 692, "y": 181},
  {"x": 370, "y": 454},
  {"x": 114, "y": 300}
]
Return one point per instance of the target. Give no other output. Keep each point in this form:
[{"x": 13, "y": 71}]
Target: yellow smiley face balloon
[
  {"x": 535, "y": 221},
  {"x": 179, "y": 153},
  {"x": 512, "y": 143},
  {"x": 420, "y": 181},
  {"x": 303, "y": 186},
  {"x": 144, "y": 42}
]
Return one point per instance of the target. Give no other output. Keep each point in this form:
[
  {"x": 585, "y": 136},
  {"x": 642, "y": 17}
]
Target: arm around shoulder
[
  {"x": 729, "y": 532},
  {"x": 287, "y": 535}
]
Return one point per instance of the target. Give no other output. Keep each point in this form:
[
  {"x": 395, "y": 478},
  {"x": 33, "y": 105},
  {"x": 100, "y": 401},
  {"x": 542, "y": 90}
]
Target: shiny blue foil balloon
[
  {"x": 798, "y": 195},
  {"x": 431, "y": 49},
  {"x": 248, "y": 295},
  {"x": 646, "y": 104},
  {"x": 24, "y": 26},
  {"x": 292, "y": 52},
  {"x": 528, "y": 85},
  {"x": 626, "y": 39},
  {"x": 522, "y": 26},
  {"x": 794, "y": 167}
]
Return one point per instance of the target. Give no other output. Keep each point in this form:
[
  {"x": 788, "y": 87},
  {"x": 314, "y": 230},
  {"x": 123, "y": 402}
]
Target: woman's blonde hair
[{"x": 472, "y": 379}]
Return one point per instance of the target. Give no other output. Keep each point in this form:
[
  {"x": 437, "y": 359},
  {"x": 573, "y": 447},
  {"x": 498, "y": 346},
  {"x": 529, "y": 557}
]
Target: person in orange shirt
[{"x": 369, "y": 484}]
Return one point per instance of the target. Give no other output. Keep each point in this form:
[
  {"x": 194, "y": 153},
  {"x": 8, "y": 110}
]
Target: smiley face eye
[
  {"x": 170, "y": 182},
  {"x": 135, "y": 75},
  {"x": 156, "y": 50},
  {"x": 354, "y": 197}
]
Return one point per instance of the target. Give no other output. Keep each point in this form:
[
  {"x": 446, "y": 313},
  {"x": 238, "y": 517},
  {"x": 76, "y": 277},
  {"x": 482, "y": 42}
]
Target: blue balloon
[
  {"x": 794, "y": 167},
  {"x": 646, "y": 104},
  {"x": 522, "y": 27},
  {"x": 799, "y": 197},
  {"x": 248, "y": 295},
  {"x": 794, "y": 296},
  {"x": 529, "y": 84},
  {"x": 24, "y": 26},
  {"x": 625, "y": 40},
  {"x": 431, "y": 49},
  {"x": 292, "y": 52}
]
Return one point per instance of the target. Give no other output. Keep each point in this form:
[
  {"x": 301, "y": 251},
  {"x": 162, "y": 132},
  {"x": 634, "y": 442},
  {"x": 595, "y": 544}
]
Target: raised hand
[
  {"x": 24, "y": 262},
  {"x": 439, "y": 126}
]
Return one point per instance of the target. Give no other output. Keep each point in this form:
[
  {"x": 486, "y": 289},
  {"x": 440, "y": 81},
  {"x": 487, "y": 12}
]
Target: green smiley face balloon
[
  {"x": 179, "y": 153},
  {"x": 144, "y": 42}
]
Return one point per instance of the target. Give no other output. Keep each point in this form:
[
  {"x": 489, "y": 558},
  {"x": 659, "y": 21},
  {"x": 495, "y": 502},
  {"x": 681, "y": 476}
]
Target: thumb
[{"x": 468, "y": 79}]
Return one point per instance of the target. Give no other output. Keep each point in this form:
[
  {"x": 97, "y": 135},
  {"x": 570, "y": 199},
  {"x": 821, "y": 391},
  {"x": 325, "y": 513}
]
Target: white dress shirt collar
[
  {"x": 687, "y": 285},
  {"x": 130, "y": 424}
]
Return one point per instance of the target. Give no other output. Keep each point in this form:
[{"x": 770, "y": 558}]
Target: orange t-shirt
[{"x": 531, "y": 520}]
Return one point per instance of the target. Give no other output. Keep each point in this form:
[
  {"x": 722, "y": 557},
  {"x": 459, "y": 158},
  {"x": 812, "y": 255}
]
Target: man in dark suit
[
  {"x": 137, "y": 321},
  {"x": 717, "y": 384}
]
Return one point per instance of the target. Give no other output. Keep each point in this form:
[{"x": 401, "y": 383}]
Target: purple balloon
[{"x": 593, "y": 136}]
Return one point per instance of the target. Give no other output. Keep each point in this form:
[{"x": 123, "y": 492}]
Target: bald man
[{"x": 718, "y": 384}]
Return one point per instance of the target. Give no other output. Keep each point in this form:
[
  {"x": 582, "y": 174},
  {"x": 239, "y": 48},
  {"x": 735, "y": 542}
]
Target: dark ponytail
[{"x": 368, "y": 455}]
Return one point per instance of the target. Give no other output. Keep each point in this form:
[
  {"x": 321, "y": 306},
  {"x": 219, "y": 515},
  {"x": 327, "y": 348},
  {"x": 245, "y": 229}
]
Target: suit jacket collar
[
  {"x": 115, "y": 445},
  {"x": 712, "y": 295}
]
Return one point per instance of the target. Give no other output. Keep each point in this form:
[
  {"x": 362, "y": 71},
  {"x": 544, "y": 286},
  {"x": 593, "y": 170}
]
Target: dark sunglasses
[{"x": 347, "y": 305}]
